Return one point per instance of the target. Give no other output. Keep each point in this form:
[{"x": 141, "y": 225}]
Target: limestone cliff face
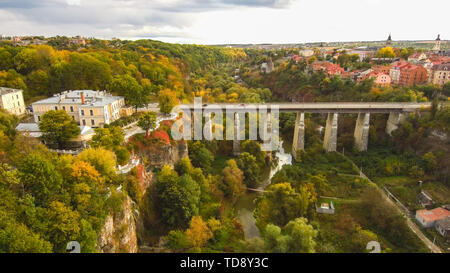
[
  {"x": 119, "y": 231},
  {"x": 167, "y": 154}
]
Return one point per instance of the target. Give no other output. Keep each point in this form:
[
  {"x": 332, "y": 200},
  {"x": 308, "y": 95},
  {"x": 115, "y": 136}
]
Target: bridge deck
[{"x": 321, "y": 107}]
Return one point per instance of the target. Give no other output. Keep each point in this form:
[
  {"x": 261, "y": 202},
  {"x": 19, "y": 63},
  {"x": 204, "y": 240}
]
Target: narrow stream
[{"x": 245, "y": 205}]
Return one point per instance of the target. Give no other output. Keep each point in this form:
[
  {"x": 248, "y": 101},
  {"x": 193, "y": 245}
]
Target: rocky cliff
[
  {"x": 166, "y": 154},
  {"x": 119, "y": 231}
]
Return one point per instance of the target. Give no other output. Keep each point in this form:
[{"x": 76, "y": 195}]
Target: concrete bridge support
[
  {"x": 299, "y": 134},
  {"x": 207, "y": 129},
  {"x": 330, "y": 140},
  {"x": 236, "y": 139},
  {"x": 267, "y": 129},
  {"x": 394, "y": 120},
  {"x": 362, "y": 131}
]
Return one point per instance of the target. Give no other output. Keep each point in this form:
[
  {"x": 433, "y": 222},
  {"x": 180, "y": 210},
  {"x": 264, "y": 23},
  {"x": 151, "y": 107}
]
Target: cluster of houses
[
  {"x": 420, "y": 68},
  {"x": 34, "y": 40}
]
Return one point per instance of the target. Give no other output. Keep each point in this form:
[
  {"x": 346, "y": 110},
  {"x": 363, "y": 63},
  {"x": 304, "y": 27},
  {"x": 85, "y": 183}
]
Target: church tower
[
  {"x": 389, "y": 40},
  {"x": 437, "y": 43}
]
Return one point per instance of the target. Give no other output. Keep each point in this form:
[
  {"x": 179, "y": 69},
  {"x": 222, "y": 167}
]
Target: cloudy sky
[{"x": 229, "y": 21}]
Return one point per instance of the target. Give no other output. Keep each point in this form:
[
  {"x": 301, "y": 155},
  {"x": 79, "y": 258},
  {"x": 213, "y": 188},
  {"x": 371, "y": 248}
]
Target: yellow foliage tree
[{"x": 198, "y": 232}]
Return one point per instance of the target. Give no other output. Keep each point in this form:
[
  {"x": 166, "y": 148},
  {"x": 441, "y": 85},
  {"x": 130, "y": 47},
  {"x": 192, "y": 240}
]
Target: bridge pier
[
  {"x": 207, "y": 129},
  {"x": 362, "y": 131},
  {"x": 236, "y": 138},
  {"x": 394, "y": 120},
  {"x": 330, "y": 140},
  {"x": 299, "y": 134}
]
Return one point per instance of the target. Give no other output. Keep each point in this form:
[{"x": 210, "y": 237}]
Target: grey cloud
[{"x": 117, "y": 17}]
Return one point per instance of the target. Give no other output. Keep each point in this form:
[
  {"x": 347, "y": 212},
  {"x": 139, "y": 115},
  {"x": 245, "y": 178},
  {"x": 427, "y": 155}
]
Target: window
[
  {"x": 64, "y": 108},
  {"x": 92, "y": 122},
  {"x": 84, "y": 122},
  {"x": 91, "y": 112},
  {"x": 39, "y": 118},
  {"x": 71, "y": 108},
  {"x": 82, "y": 112},
  {"x": 56, "y": 107}
]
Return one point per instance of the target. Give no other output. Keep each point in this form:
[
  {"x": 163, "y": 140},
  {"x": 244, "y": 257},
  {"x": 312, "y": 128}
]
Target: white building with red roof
[{"x": 428, "y": 218}]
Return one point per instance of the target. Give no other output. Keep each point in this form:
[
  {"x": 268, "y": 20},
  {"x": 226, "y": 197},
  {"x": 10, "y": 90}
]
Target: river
[{"x": 245, "y": 204}]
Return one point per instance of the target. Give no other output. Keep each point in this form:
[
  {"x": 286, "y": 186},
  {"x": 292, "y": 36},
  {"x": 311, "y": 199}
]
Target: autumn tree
[
  {"x": 386, "y": 52},
  {"x": 248, "y": 164},
  {"x": 108, "y": 138},
  {"x": 58, "y": 127},
  {"x": 167, "y": 100},
  {"x": 198, "y": 232},
  {"x": 233, "y": 179},
  {"x": 104, "y": 161},
  {"x": 147, "y": 122}
]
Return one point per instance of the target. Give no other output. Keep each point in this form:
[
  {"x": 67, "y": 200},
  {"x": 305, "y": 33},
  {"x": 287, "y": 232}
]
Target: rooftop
[
  {"x": 92, "y": 98},
  {"x": 445, "y": 223},
  {"x": 434, "y": 214},
  {"x": 6, "y": 90}
]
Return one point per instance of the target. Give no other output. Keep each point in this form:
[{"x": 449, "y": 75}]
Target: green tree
[
  {"x": 108, "y": 137},
  {"x": 58, "y": 127},
  {"x": 281, "y": 203},
  {"x": 167, "y": 100},
  {"x": 173, "y": 202},
  {"x": 18, "y": 238},
  {"x": 302, "y": 236},
  {"x": 40, "y": 178},
  {"x": 200, "y": 156},
  {"x": 63, "y": 225},
  {"x": 233, "y": 179},
  {"x": 147, "y": 122},
  {"x": 104, "y": 161},
  {"x": 248, "y": 164}
]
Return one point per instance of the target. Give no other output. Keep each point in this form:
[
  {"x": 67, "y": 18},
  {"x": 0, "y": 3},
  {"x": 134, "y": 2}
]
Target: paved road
[
  {"x": 322, "y": 107},
  {"x": 132, "y": 129}
]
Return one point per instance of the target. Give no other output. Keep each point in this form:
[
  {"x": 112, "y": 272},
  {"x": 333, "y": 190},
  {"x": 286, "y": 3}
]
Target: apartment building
[
  {"x": 12, "y": 100},
  {"x": 440, "y": 74},
  {"x": 412, "y": 74},
  {"x": 87, "y": 107}
]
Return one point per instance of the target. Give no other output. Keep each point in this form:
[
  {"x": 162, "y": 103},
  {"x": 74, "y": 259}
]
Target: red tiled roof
[{"x": 434, "y": 214}]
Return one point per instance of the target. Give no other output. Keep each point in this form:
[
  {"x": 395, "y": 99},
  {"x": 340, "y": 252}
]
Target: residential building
[
  {"x": 428, "y": 218},
  {"x": 412, "y": 74},
  {"x": 87, "y": 107},
  {"x": 417, "y": 57},
  {"x": 425, "y": 199},
  {"x": 325, "y": 208},
  {"x": 362, "y": 53},
  {"x": 382, "y": 68},
  {"x": 443, "y": 226},
  {"x": 306, "y": 52},
  {"x": 12, "y": 100},
  {"x": 440, "y": 74},
  {"x": 381, "y": 79},
  {"x": 327, "y": 67}
]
